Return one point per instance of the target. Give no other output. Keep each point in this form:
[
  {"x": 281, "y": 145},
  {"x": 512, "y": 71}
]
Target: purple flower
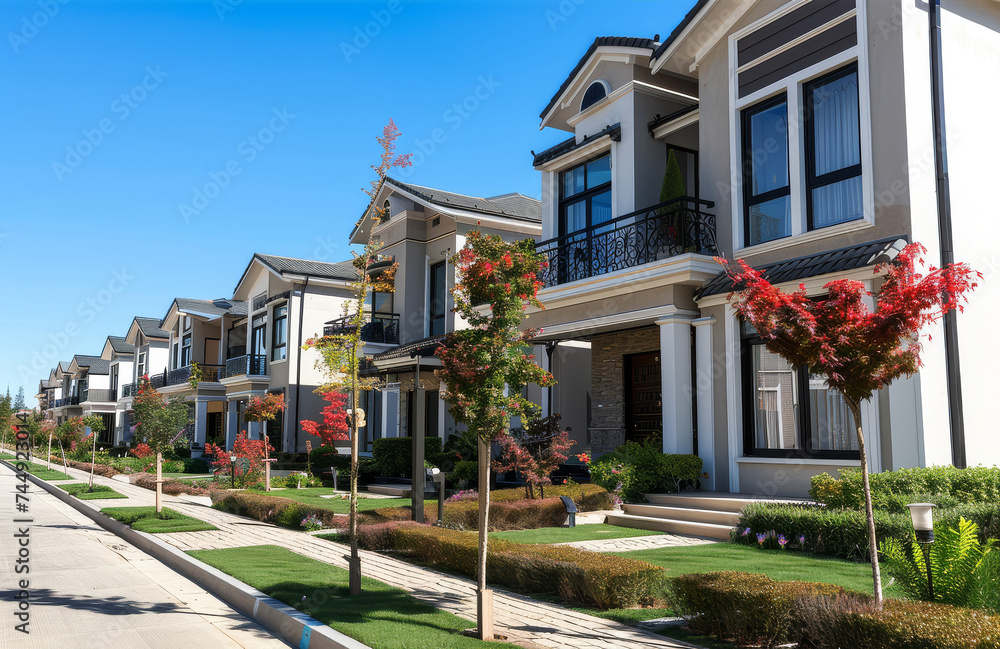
[
  {"x": 782, "y": 541},
  {"x": 802, "y": 540},
  {"x": 745, "y": 532},
  {"x": 761, "y": 537}
]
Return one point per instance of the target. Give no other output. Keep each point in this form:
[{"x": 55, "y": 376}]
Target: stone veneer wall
[{"x": 607, "y": 381}]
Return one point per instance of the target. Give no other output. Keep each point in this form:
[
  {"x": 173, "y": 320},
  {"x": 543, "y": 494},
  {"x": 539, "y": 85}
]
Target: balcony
[
  {"x": 380, "y": 328},
  {"x": 659, "y": 232},
  {"x": 97, "y": 395},
  {"x": 253, "y": 364},
  {"x": 209, "y": 373},
  {"x": 128, "y": 390}
]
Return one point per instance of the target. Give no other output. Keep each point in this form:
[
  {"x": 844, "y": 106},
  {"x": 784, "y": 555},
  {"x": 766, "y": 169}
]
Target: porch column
[
  {"x": 200, "y": 425},
  {"x": 232, "y": 423},
  {"x": 418, "y": 433},
  {"x": 705, "y": 376},
  {"x": 675, "y": 385}
]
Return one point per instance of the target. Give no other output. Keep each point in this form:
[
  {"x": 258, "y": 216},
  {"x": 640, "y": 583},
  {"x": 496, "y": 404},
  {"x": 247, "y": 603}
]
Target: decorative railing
[
  {"x": 377, "y": 328},
  {"x": 97, "y": 394},
  {"x": 253, "y": 364},
  {"x": 128, "y": 390},
  {"x": 209, "y": 373},
  {"x": 237, "y": 351},
  {"x": 659, "y": 232},
  {"x": 157, "y": 381}
]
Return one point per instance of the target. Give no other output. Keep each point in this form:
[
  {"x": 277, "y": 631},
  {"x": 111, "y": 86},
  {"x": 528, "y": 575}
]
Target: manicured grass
[
  {"x": 779, "y": 565},
  {"x": 145, "y": 519},
  {"x": 80, "y": 490},
  {"x": 311, "y": 496},
  {"x": 42, "y": 473},
  {"x": 381, "y": 616},
  {"x": 590, "y": 532}
]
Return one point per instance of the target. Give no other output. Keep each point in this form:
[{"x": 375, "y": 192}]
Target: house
[
  {"x": 49, "y": 394},
  {"x": 803, "y": 134},
  {"x": 420, "y": 228},
  {"x": 65, "y": 403},
  {"x": 120, "y": 355},
  {"x": 150, "y": 357}
]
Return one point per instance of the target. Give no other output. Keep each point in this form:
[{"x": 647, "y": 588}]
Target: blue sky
[{"x": 119, "y": 114}]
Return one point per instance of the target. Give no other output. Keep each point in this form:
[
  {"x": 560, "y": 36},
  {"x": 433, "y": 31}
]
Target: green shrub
[
  {"x": 465, "y": 475},
  {"x": 274, "y": 509},
  {"x": 642, "y": 469},
  {"x": 322, "y": 458},
  {"x": 507, "y": 515},
  {"x": 195, "y": 465},
  {"x": 892, "y": 490},
  {"x": 596, "y": 579},
  {"x": 393, "y": 455},
  {"x": 588, "y": 497}
]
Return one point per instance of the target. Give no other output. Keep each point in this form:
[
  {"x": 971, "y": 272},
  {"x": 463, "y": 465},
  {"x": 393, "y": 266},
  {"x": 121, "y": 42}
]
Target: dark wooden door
[{"x": 643, "y": 398}]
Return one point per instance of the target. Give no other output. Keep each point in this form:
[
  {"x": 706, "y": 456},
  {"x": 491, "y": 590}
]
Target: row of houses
[{"x": 806, "y": 136}]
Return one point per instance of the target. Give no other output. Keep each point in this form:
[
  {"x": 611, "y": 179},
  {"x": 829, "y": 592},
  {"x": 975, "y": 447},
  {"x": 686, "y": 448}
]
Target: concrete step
[
  {"x": 400, "y": 490},
  {"x": 712, "y": 516},
  {"x": 673, "y": 526},
  {"x": 723, "y": 502}
]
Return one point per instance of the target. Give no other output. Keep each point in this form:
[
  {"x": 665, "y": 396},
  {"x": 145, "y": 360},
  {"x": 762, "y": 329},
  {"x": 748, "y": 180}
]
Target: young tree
[
  {"x": 250, "y": 455},
  {"x": 858, "y": 351},
  {"x": 534, "y": 451},
  {"x": 160, "y": 424},
  {"x": 334, "y": 427},
  {"x": 340, "y": 354},
  {"x": 6, "y": 417},
  {"x": 19, "y": 403},
  {"x": 96, "y": 426},
  {"x": 260, "y": 409},
  {"x": 485, "y": 367}
]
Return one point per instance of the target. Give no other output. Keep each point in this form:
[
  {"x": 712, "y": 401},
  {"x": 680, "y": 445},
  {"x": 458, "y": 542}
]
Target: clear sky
[{"x": 125, "y": 122}]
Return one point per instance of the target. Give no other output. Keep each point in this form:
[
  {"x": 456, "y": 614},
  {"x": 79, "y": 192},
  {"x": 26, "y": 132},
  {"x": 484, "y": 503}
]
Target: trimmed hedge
[
  {"x": 393, "y": 455},
  {"x": 752, "y": 609},
  {"x": 593, "y": 578},
  {"x": 274, "y": 509},
  {"x": 945, "y": 486},
  {"x": 507, "y": 515},
  {"x": 642, "y": 469},
  {"x": 588, "y": 497}
]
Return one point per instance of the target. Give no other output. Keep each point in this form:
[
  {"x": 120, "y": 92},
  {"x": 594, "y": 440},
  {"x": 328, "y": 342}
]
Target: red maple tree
[
  {"x": 858, "y": 350},
  {"x": 535, "y": 452},
  {"x": 249, "y": 458},
  {"x": 334, "y": 427}
]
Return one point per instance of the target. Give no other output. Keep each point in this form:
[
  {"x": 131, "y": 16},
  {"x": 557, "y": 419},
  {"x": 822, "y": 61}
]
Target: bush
[
  {"x": 642, "y": 469},
  {"x": 596, "y": 579},
  {"x": 195, "y": 465},
  {"x": 507, "y": 515},
  {"x": 322, "y": 458},
  {"x": 465, "y": 475},
  {"x": 274, "y": 509},
  {"x": 170, "y": 487},
  {"x": 892, "y": 490},
  {"x": 588, "y": 497},
  {"x": 393, "y": 455}
]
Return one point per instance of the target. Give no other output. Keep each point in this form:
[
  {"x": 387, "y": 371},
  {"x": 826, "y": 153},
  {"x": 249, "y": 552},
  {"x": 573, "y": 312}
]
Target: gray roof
[
  {"x": 331, "y": 270},
  {"x": 94, "y": 364},
  {"x": 512, "y": 205},
  {"x": 150, "y": 327},
  {"x": 213, "y": 308},
  {"x": 422, "y": 348},
  {"x": 564, "y": 147},
  {"x": 679, "y": 28},
  {"x": 600, "y": 41},
  {"x": 832, "y": 261},
  {"x": 119, "y": 346}
]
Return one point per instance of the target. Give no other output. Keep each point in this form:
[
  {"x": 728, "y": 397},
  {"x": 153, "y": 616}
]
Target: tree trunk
[
  {"x": 93, "y": 458},
  {"x": 484, "y": 598},
  {"x": 855, "y": 409},
  {"x": 159, "y": 481},
  {"x": 48, "y": 463},
  {"x": 355, "y": 561}
]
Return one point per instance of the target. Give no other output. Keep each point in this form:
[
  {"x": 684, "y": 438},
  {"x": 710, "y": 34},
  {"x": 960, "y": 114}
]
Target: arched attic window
[
  {"x": 597, "y": 91},
  {"x": 385, "y": 210}
]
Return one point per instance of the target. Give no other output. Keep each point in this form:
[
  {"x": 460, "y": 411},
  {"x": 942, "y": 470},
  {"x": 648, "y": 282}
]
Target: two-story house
[
  {"x": 150, "y": 357},
  {"x": 91, "y": 377},
  {"x": 120, "y": 356},
  {"x": 804, "y": 134}
]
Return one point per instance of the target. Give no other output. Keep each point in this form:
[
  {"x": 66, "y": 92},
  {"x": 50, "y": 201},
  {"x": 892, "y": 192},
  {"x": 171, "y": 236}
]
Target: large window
[
  {"x": 585, "y": 195},
  {"x": 379, "y": 302},
  {"x": 789, "y": 411},
  {"x": 766, "y": 188},
  {"x": 833, "y": 148},
  {"x": 141, "y": 366},
  {"x": 185, "y": 350},
  {"x": 437, "y": 299},
  {"x": 279, "y": 333}
]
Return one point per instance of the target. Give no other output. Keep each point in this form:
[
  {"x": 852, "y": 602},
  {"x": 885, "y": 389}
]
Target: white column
[
  {"x": 704, "y": 379},
  {"x": 200, "y": 421},
  {"x": 232, "y": 423},
  {"x": 675, "y": 387}
]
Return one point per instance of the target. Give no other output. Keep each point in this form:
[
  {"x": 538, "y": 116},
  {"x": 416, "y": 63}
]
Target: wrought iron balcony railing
[
  {"x": 209, "y": 373},
  {"x": 377, "y": 328},
  {"x": 252, "y": 364},
  {"x": 128, "y": 390},
  {"x": 157, "y": 381},
  {"x": 658, "y": 232}
]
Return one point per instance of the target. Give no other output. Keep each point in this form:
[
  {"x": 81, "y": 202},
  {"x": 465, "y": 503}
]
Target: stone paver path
[
  {"x": 640, "y": 543},
  {"x": 525, "y": 621}
]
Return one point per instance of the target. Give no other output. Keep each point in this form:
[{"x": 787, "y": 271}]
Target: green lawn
[
  {"x": 590, "y": 532},
  {"x": 145, "y": 519},
  {"x": 381, "y": 616},
  {"x": 779, "y": 565},
  {"x": 42, "y": 473},
  {"x": 79, "y": 489},
  {"x": 311, "y": 496}
]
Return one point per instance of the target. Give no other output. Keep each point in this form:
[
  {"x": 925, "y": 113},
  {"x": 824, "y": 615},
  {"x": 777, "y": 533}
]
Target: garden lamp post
[
  {"x": 923, "y": 525},
  {"x": 232, "y": 468}
]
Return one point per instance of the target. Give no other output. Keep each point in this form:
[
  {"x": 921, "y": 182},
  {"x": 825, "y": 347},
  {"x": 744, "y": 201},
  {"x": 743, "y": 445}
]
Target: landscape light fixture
[
  {"x": 923, "y": 525},
  {"x": 232, "y": 468}
]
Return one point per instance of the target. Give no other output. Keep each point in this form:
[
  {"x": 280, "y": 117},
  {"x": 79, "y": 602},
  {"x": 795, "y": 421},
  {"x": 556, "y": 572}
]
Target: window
[
  {"x": 595, "y": 93},
  {"x": 790, "y": 411},
  {"x": 585, "y": 195},
  {"x": 141, "y": 366},
  {"x": 766, "y": 188},
  {"x": 186, "y": 323},
  {"x": 185, "y": 350},
  {"x": 386, "y": 213},
  {"x": 437, "y": 299},
  {"x": 279, "y": 335},
  {"x": 379, "y": 302},
  {"x": 833, "y": 148}
]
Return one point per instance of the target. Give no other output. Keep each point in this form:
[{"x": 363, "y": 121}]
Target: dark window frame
[
  {"x": 281, "y": 320},
  {"x": 186, "y": 345},
  {"x": 812, "y": 180},
  {"x": 586, "y": 195},
  {"x": 749, "y": 200},
  {"x": 802, "y": 417},
  {"x": 437, "y": 309}
]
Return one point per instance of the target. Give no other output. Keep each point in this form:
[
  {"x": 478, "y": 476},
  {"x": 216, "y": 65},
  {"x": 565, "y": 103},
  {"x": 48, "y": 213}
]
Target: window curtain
[{"x": 837, "y": 139}]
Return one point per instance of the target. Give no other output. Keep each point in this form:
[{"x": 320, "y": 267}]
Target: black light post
[
  {"x": 232, "y": 468},
  {"x": 922, "y": 515}
]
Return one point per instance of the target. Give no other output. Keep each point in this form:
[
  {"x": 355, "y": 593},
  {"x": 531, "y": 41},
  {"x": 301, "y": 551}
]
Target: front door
[{"x": 643, "y": 398}]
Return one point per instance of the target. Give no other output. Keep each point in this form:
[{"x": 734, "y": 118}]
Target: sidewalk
[{"x": 523, "y": 620}]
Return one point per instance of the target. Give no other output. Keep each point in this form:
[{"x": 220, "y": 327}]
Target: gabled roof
[
  {"x": 93, "y": 364},
  {"x": 423, "y": 348},
  {"x": 600, "y": 41},
  {"x": 566, "y": 146},
  {"x": 63, "y": 367},
  {"x": 790, "y": 270},
  {"x": 669, "y": 40},
  {"x": 511, "y": 205},
  {"x": 210, "y": 309},
  {"x": 150, "y": 327},
  {"x": 120, "y": 346}
]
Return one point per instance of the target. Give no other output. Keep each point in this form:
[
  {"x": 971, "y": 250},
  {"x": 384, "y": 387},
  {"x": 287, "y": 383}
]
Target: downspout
[
  {"x": 952, "y": 363},
  {"x": 298, "y": 364}
]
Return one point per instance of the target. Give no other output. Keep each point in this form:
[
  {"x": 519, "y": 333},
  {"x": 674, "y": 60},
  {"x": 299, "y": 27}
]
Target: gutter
[
  {"x": 952, "y": 362},
  {"x": 298, "y": 366}
]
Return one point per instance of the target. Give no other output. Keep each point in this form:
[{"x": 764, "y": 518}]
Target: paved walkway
[
  {"x": 640, "y": 543},
  {"x": 89, "y": 588},
  {"x": 525, "y": 621}
]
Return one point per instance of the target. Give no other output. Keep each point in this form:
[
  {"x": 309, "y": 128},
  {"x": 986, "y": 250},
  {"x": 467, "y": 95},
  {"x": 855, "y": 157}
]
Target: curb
[{"x": 292, "y": 626}]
